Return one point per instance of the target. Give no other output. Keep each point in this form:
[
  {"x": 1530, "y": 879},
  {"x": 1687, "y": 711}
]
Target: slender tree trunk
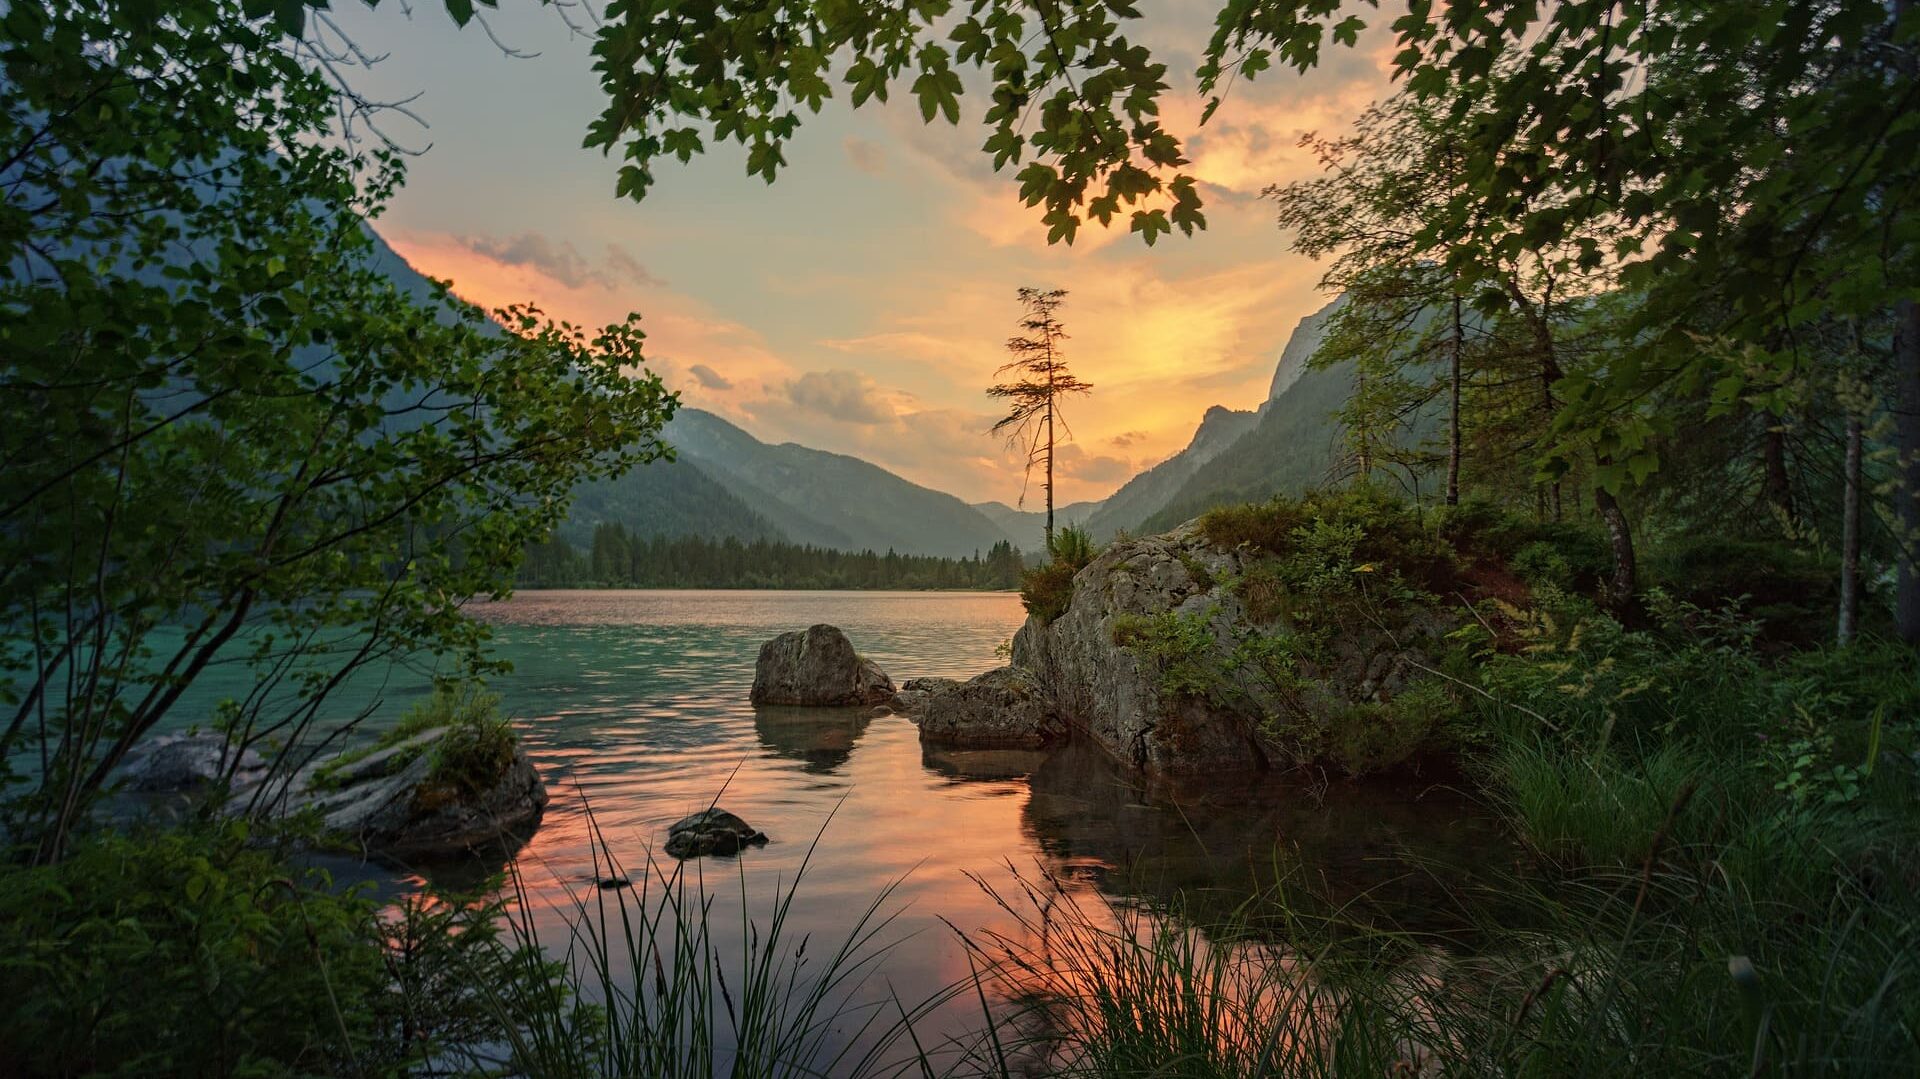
[
  {"x": 1363, "y": 437},
  {"x": 1049, "y": 484},
  {"x": 1773, "y": 452},
  {"x": 1906, "y": 373},
  {"x": 1850, "y": 538},
  {"x": 1453, "y": 409},
  {"x": 1621, "y": 589}
]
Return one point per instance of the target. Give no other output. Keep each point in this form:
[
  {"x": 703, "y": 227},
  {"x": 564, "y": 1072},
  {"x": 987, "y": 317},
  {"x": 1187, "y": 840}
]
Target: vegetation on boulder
[{"x": 1047, "y": 589}]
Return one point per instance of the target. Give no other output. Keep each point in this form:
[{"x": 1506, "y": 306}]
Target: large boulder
[
  {"x": 817, "y": 667},
  {"x": 1005, "y": 708},
  {"x": 1177, "y": 656},
  {"x": 400, "y": 800}
]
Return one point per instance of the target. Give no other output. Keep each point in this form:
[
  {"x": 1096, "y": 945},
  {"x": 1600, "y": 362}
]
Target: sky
[{"x": 860, "y": 303}]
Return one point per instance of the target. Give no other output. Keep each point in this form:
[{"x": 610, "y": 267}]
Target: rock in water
[
  {"x": 184, "y": 762},
  {"x": 392, "y": 801},
  {"x": 1105, "y": 681},
  {"x": 914, "y": 694},
  {"x": 1004, "y": 708},
  {"x": 711, "y": 831},
  {"x": 817, "y": 667},
  {"x": 389, "y": 799}
]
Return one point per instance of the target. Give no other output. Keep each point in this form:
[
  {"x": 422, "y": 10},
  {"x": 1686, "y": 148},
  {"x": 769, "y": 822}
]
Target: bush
[
  {"x": 197, "y": 952},
  {"x": 1373, "y": 736},
  {"x": 1791, "y": 592},
  {"x": 1046, "y": 591},
  {"x": 1363, "y": 525},
  {"x": 476, "y": 751},
  {"x": 182, "y": 953}
]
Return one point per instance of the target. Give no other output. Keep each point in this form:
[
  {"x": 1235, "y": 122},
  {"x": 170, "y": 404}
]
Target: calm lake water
[{"x": 634, "y": 705}]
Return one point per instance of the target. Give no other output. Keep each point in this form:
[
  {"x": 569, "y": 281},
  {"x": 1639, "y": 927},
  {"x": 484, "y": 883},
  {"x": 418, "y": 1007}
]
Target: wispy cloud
[
  {"x": 563, "y": 262},
  {"x": 709, "y": 378}
]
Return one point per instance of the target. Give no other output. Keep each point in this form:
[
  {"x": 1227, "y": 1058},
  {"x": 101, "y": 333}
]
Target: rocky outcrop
[
  {"x": 1216, "y": 689},
  {"x": 711, "y": 831},
  {"x": 1005, "y": 708},
  {"x": 817, "y": 667}
]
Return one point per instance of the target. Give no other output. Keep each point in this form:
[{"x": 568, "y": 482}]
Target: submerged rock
[
  {"x": 711, "y": 831},
  {"x": 1005, "y": 708},
  {"x": 817, "y": 667}
]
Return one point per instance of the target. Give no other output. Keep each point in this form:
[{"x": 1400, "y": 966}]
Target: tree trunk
[
  {"x": 1363, "y": 444},
  {"x": 1049, "y": 484},
  {"x": 1621, "y": 589},
  {"x": 1906, "y": 373},
  {"x": 1453, "y": 409},
  {"x": 1779, "y": 490},
  {"x": 1850, "y": 538}
]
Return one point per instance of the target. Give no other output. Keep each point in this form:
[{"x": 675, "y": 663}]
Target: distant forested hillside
[
  {"x": 665, "y": 498},
  {"x": 616, "y": 558},
  {"x": 727, "y": 482}
]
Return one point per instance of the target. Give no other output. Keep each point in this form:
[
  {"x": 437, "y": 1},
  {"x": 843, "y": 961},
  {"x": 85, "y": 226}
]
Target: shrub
[
  {"x": 1046, "y": 591},
  {"x": 1787, "y": 589},
  {"x": 469, "y": 759},
  {"x": 196, "y": 951},
  {"x": 182, "y": 953},
  {"x": 1074, "y": 545},
  {"x": 1368, "y": 737},
  {"x": 1320, "y": 530},
  {"x": 1266, "y": 526},
  {"x": 474, "y": 753},
  {"x": 1263, "y": 589}
]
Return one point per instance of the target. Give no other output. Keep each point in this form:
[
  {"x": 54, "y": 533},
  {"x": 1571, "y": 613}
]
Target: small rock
[
  {"x": 817, "y": 667},
  {"x": 608, "y": 884},
  {"x": 711, "y": 831}
]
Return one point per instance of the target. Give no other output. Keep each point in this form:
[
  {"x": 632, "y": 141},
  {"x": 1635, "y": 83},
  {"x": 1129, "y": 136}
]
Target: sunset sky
[{"x": 859, "y": 303}]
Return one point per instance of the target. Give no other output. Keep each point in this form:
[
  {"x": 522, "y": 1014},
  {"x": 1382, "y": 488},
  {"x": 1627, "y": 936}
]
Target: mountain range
[{"x": 724, "y": 482}]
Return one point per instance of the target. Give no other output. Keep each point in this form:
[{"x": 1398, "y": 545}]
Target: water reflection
[
  {"x": 633, "y": 706},
  {"x": 995, "y": 765},
  {"x": 1386, "y": 849},
  {"x": 820, "y": 738}
]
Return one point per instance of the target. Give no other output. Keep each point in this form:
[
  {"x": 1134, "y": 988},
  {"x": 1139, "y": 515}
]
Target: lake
[{"x": 633, "y": 705}]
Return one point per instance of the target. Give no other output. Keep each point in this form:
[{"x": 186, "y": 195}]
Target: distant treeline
[{"x": 620, "y": 559}]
